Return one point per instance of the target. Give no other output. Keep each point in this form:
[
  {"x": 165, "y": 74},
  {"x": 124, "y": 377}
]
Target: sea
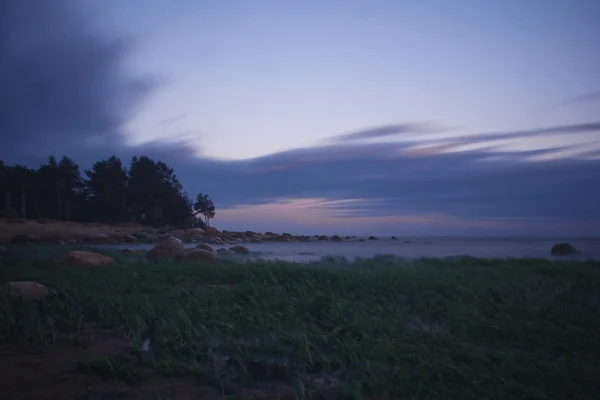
[{"x": 416, "y": 247}]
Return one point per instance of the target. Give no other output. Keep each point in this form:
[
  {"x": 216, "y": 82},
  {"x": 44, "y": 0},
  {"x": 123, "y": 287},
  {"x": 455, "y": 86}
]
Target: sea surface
[{"x": 415, "y": 247}]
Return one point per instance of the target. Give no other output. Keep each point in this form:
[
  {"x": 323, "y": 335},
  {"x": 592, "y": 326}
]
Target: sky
[{"x": 337, "y": 117}]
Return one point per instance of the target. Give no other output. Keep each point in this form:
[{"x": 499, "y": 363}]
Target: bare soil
[
  {"x": 71, "y": 230},
  {"x": 52, "y": 373}
]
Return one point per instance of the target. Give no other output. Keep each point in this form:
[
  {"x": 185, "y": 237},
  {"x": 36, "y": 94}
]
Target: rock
[
  {"x": 361, "y": 240},
  {"x": 563, "y": 249},
  {"x": 216, "y": 240},
  {"x": 286, "y": 239},
  {"x": 80, "y": 258},
  {"x": 27, "y": 290},
  {"x": 200, "y": 255},
  {"x": 24, "y": 239},
  {"x": 255, "y": 240},
  {"x": 205, "y": 246},
  {"x": 195, "y": 232},
  {"x": 212, "y": 231},
  {"x": 394, "y": 238},
  {"x": 169, "y": 249},
  {"x": 225, "y": 252},
  {"x": 97, "y": 238},
  {"x": 336, "y": 238},
  {"x": 372, "y": 238},
  {"x": 240, "y": 249},
  {"x": 129, "y": 238},
  {"x": 323, "y": 238}
]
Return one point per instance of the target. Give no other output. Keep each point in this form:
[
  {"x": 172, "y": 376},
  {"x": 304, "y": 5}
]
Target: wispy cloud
[
  {"x": 407, "y": 129},
  {"x": 590, "y": 97}
]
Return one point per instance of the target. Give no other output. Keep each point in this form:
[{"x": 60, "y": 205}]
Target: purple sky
[{"x": 351, "y": 117}]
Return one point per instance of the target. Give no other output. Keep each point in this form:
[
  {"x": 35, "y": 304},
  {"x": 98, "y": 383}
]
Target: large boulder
[
  {"x": 169, "y": 249},
  {"x": 336, "y": 238},
  {"x": 212, "y": 231},
  {"x": 26, "y": 290},
  {"x": 80, "y": 258},
  {"x": 563, "y": 249},
  {"x": 195, "y": 232},
  {"x": 200, "y": 255},
  {"x": 240, "y": 249},
  {"x": 205, "y": 246},
  {"x": 372, "y": 238}
]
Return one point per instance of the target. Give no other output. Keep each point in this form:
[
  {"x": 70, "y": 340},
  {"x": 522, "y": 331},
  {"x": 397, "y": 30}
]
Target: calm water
[{"x": 418, "y": 248}]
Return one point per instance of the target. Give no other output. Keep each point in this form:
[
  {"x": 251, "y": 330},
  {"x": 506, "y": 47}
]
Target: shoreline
[{"x": 286, "y": 246}]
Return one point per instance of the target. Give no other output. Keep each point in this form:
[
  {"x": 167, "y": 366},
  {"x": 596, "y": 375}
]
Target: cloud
[
  {"x": 408, "y": 129},
  {"x": 384, "y": 188},
  {"x": 63, "y": 85},
  {"x": 590, "y": 97},
  {"x": 493, "y": 139},
  {"x": 69, "y": 94},
  {"x": 375, "y": 181}
]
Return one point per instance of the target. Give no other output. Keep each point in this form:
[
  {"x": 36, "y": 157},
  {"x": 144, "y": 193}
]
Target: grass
[{"x": 459, "y": 328}]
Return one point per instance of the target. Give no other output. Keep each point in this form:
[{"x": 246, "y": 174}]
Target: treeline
[{"x": 148, "y": 193}]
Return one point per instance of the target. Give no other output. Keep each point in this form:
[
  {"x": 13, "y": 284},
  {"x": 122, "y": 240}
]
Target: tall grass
[{"x": 459, "y": 328}]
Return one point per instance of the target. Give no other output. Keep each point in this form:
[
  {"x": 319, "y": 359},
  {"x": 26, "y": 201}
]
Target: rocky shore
[
  {"x": 53, "y": 232},
  {"x": 211, "y": 242}
]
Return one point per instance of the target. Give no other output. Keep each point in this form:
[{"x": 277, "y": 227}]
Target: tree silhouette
[
  {"x": 205, "y": 207},
  {"x": 149, "y": 193}
]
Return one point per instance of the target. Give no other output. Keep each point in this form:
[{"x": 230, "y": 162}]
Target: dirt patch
[
  {"x": 55, "y": 372},
  {"x": 52, "y": 373},
  {"x": 57, "y": 230}
]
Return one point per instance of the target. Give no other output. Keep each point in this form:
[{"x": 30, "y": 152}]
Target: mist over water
[{"x": 416, "y": 247}]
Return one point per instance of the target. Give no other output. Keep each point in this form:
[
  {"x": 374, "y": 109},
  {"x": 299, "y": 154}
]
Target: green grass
[{"x": 460, "y": 328}]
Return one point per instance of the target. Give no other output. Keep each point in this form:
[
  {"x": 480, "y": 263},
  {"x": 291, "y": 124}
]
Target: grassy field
[{"x": 429, "y": 329}]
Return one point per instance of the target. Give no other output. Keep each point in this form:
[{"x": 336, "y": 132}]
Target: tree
[
  {"x": 49, "y": 189},
  {"x": 155, "y": 194},
  {"x": 108, "y": 190},
  {"x": 4, "y": 189},
  {"x": 205, "y": 207},
  {"x": 149, "y": 193},
  {"x": 20, "y": 181},
  {"x": 69, "y": 183}
]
